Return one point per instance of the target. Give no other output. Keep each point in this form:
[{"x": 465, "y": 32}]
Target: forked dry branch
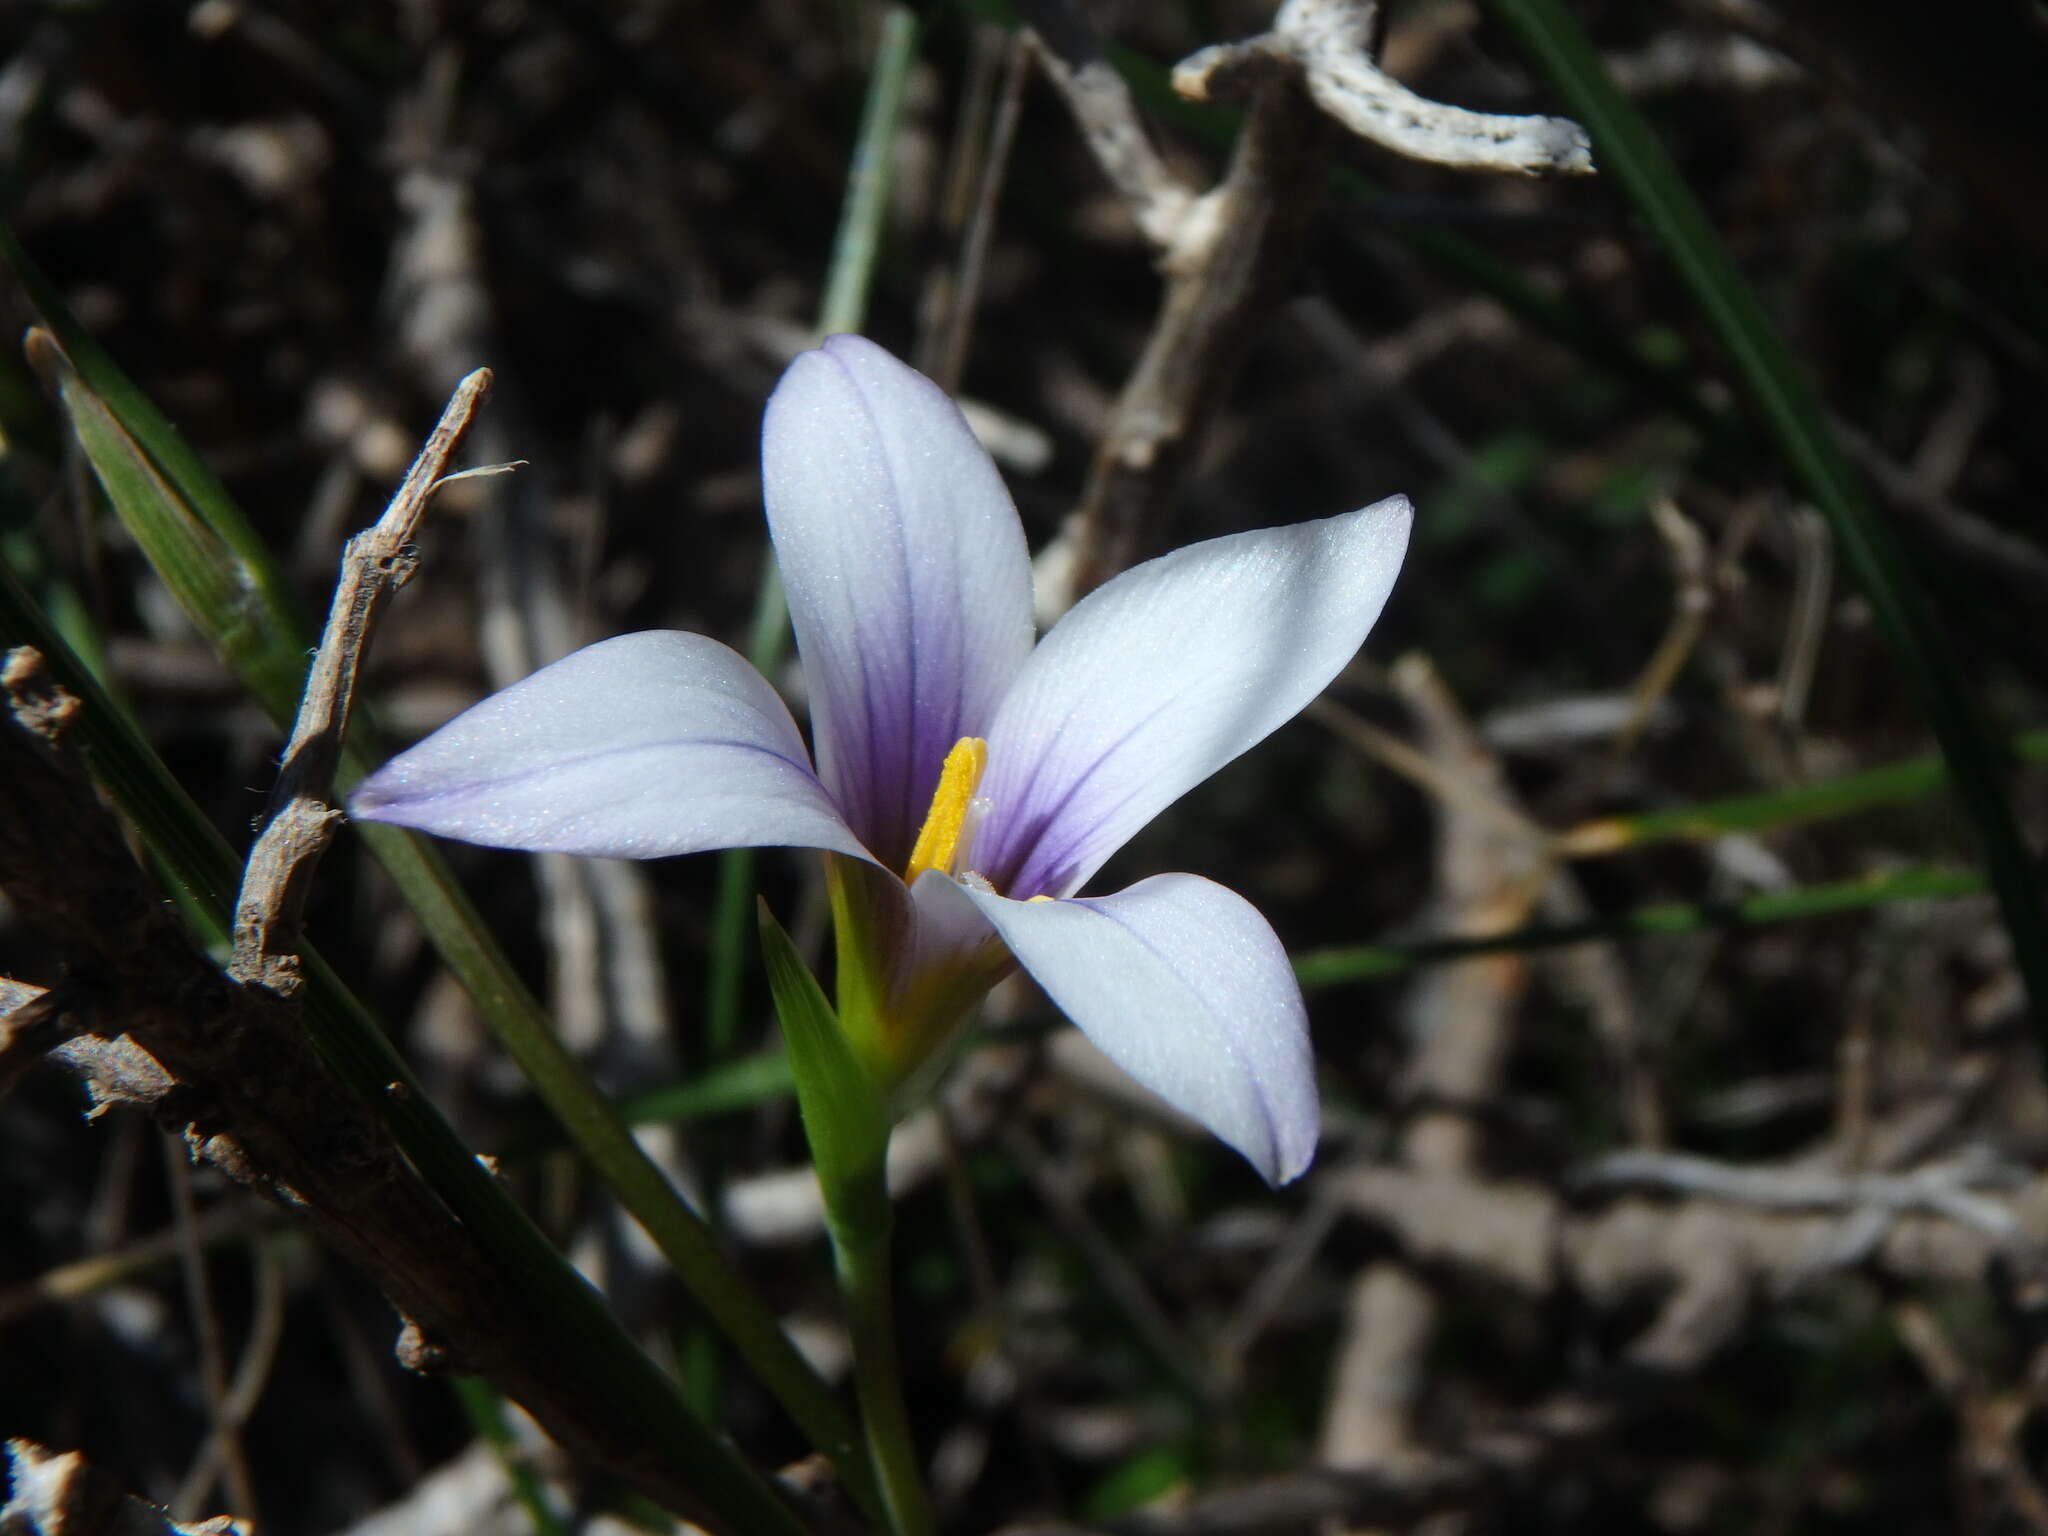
[{"x": 1230, "y": 252}]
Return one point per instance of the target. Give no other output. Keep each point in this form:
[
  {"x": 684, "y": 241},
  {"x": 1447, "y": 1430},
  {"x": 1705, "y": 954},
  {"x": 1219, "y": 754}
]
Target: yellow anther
[{"x": 938, "y": 840}]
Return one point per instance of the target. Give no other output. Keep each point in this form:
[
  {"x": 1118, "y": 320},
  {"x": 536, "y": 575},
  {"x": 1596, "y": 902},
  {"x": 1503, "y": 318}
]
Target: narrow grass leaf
[
  {"x": 1892, "y": 784},
  {"x": 154, "y": 434},
  {"x": 1366, "y": 962},
  {"x": 202, "y": 571}
]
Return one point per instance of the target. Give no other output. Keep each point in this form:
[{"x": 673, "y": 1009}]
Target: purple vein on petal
[
  {"x": 907, "y": 575},
  {"x": 1035, "y": 847}
]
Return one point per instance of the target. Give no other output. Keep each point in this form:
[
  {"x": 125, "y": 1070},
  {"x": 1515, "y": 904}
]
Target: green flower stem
[
  {"x": 858, "y": 240},
  {"x": 846, "y": 1121},
  {"x": 860, "y": 1246}
]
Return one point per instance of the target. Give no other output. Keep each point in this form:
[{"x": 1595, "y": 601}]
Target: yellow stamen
[{"x": 938, "y": 840}]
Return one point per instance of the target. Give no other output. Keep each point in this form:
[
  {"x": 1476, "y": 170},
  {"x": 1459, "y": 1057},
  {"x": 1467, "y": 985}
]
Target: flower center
[{"x": 947, "y": 823}]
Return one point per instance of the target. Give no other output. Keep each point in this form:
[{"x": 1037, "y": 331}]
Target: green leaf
[
  {"x": 845, "y": 1118},
  {"x": 1898, "y": 783},
  {"x": 195, "y": 562},
  {"x": 174, "y": 459}
]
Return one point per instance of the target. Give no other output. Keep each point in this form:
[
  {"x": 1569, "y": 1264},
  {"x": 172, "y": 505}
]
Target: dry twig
[
  {"x": 301, "y": 820},
  {"x": 1941, "y": 1189},
  {"x": 1690, "y": 570},
  {"x": 1332, "y": 42},
  {"x": 1991, "y": 1424},
  {"x": 1229, "y": 253},
  {"x": 1108, "y": 118}
]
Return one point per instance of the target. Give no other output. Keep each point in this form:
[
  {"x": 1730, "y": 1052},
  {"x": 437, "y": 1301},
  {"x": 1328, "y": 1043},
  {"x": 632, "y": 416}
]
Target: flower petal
[
  {"x": 908, "y": 580},
  {"x": 1184, "y": 986},
  {"x": 1163, "y": 675},
  {"x": 637, "y": 747}
]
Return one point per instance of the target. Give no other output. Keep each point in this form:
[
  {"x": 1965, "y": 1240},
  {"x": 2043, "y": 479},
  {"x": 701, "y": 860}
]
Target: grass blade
[
  {"x": 1892, "y": 784},
  {"x": 168, "y": 453},
  {"x": 1368, "y": 962}
]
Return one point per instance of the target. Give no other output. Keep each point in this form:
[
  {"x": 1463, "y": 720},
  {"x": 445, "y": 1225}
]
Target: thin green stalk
[
  {"x": 862, "y": 1259},
  {"x": 1629, "y": 151},
  {"x": 858, "y": 241},
  {"x": 1367, "y": 962},
  {"x": 486, "y": 1414},
  {"x": 846, "y": 1122}
]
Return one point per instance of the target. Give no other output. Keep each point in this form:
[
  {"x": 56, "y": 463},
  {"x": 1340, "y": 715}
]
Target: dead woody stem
[
  {"x": 300, "y": 822},
  {"x": 1229, "y": 254}
]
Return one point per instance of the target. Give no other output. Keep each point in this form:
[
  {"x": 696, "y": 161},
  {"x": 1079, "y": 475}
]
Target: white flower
[{"x": 968, "y": 782}]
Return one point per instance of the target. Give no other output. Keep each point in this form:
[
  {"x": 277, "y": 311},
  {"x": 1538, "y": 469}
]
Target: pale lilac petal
[
  {"x": 946, "y": 935},
  {"x": 909, "y": 584},
  {"x": 1160, "y": 677},
  {"x": 1183, "y": 985},
  {"x": 639, "y": 747}
]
